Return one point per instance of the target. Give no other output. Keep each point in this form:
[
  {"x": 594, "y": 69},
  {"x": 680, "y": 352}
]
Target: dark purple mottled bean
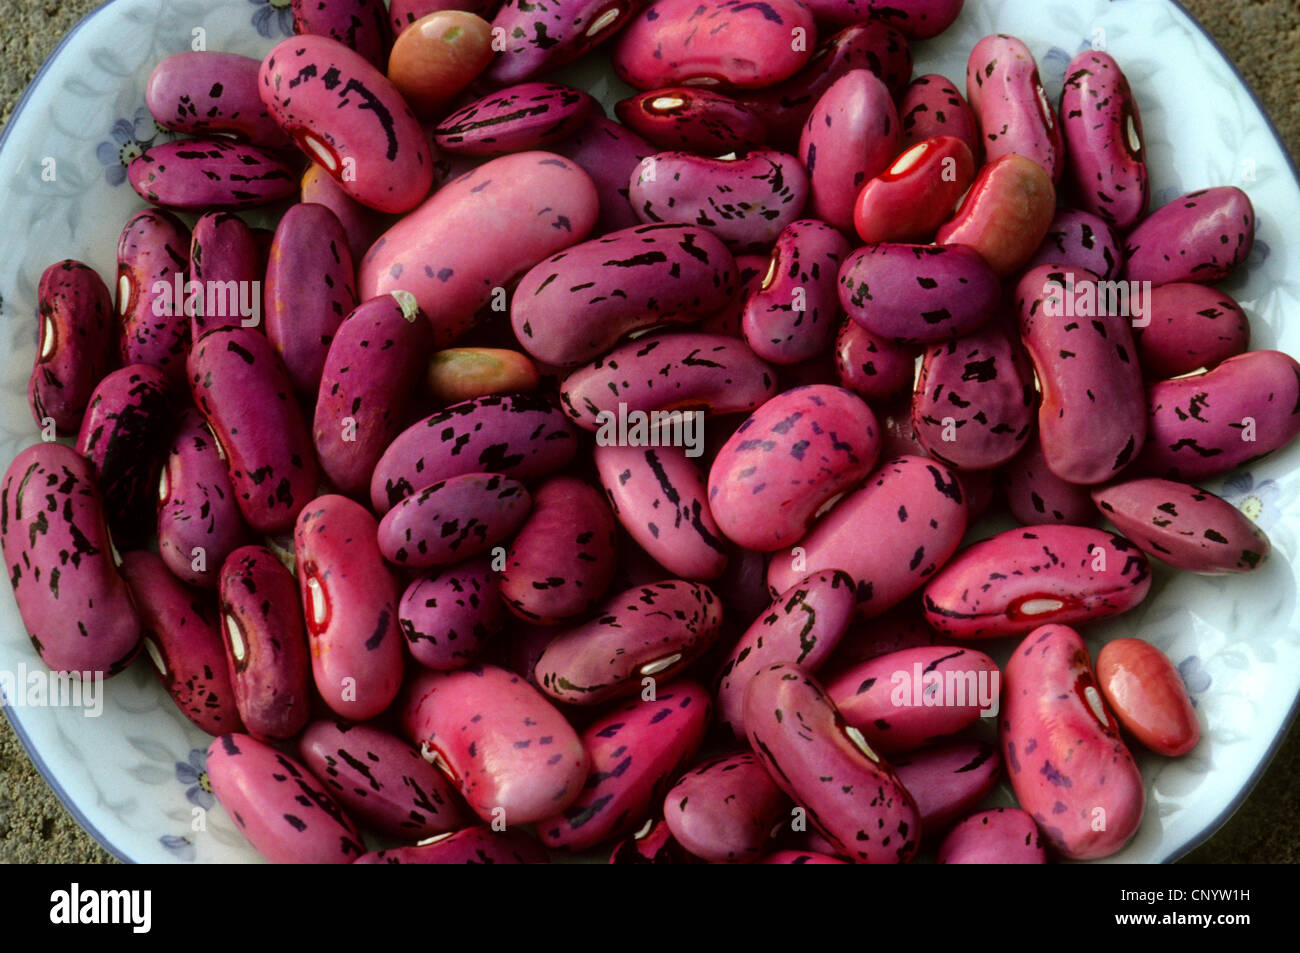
[
  {"x": 473, "y": 845},
  {"x": 448, "y": 616},
  {"x": 1079, "y": 239},
  {"x": 902, "y": 627},
  {"x": 193, "y": 174},
  {"x": 526, "y": 116},
  {"x": 723, "y": 811},
  {"x": 1014, "y": 114},
  {"x": 453, "y": 519},
  {"x": 75, "y": 312},
  {"x": 948, "y": 780},
  {"x": 1190, "y": 326},
  {"x": 692, "y": 120},
  {"x": 226, "y": 267},
  {"x": 609, "y": 153},
  {"x": 1035, "y": 495},
  {"x": 870, "y": 366},
  {"x": 1004, "y": 835},
  {"x": 360, "y": 25},
  {"x": 1201, "y": 237},
  {"x": 751, "y": 269},
  {"x": 543, "y": 36},
  {"x": 933, "y": 106},
  {"x": 201, "y": 93},
  {"x": 154, "y": 247},
  {"x": 636, "y": 751}
]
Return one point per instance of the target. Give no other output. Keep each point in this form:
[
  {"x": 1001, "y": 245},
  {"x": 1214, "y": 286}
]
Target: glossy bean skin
[
  {"x": 932, "y": 106},
  {"x": 1079, "y": 239},
  {"x": 652, "y": 844},
  {"x": 74, "y": 603},
  {"x": 275, "y": 802},
  {"x": 576, "y": 305},
  {"x": 818, "y": 761},
  {"x": 718, "y": 42},
  {"x": 1191, "y": 326},
  {"x": 199, "y": 523},
  {"x": 360, "y": 223},
  {"x": 1103, "y": 135},
  {"x": 437, "y": 56},
  {"x": 923, "y": 503},
  {"x": 1036, "y": 495},
  {"x": 745, "y": 200},
  {"x": 901, "y": 701},
  {"x": 918, "y": 294},
  {"x": 245, "y": 395},
  {"x": 1147, "y": 695},
  {"x": 1006, "y": 215},
  {"x": 752, "y": 270},
  {"x": 500, "y": 742},
  {"x": 1201, "y": 237},
  {"x": 1015, "y": 117},
  {"x": 205, "y": 92},
  {"x": 1090, "y": 419},
  {"x": 523, "y": 208},
  {"x": 982, "y": 384},
  {"x": 360, "y": 25},
  {"x": 787, "y": 460},
  {"x": 403, "y": 13},
  {"x": 464, "y": 373},
  {"x": 1022, "y": 579},
  {"x": 802, "y": 626},
  {"x": 515, "y": 119},
  {"x": 608, "y": 152},
  {"x": 453, "y": 519},
  {"x": 540, "y": 37},
  {"x": 345, "y": 114},
  {"x": 1062, "y": 749},
  {"x": 791, "y": 317},
  {"x": 902, "y": 627},
  {"x": 154, "y": 247},
  {"x": 723, "y": 811},
  {"x": 472, "y": 845},
  {"x": 1184, "y": 526},
  {"x": 376, "y": 356},
  {"x": 636, "y": 751},
  {"x": 196, "y": 174},
  {"x": 517, "y": 435},
  {"x": 947, "y": 780},
  {"x": 380, "y": 779},
  {"x": 917, "y": 193},
  {"x": 266, "y": 647},
  {"x": 447, "y": 616},
  {"x": 183, "y": 641},
  {"x": 692, "y": 120},
  {"x": 660, "y": 497},
  {"x": 124, "y": 435},
  {"x": 75, "y": 312},
  {"x": 310, "y": 288},
  {"x": 870, "y": 366},
  {"x": 223, "y": 249},
  {"x": 1213, "y": 422},
  {"x": 564, "y": 556},
  {"x": 1004, "y": 835}
]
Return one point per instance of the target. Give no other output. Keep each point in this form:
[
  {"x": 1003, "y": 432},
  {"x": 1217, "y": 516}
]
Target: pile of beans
[{"x": 569, "y": 450}]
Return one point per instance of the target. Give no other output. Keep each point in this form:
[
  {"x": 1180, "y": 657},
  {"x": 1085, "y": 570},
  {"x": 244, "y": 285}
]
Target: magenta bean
[
  {"x": 473, "y": 845},
  {"x": 752, "y": 269},
  {"x": 905, "y": 699},
  {"x": 802, "y": 626},
  {"x": 902, "y": 627},
  {"x": 200, "y": 93},
  {"x": 923, "y": 504},
  {"x": 1103, "y": 133},
  {"x": 526, "y": 116},
  {"x": 380, "y": 779},
  {"x": 609, "y": 153},
  {"x": 1079, "y": 239},
  {"x": 1008, "y": 98},
  {"x": 345, "y": 115},
  {"x": 724, "y": 810},
  {"x": 685, "y": 372},
  {"x": 244, "y": 393},
  {"x": 715, "y": 42},
  {"x": 791, "y": 317},
  {"x": 871, "y": 45},
  {"x": 1201, "y": 237},
  {"x": 933, "y": 106},
  {"x": 1021, "y": 579},
  {"x": 194, "y": 174},
  {"x": 402, "y": 13},
  {"x": 266, "y": 645},
  {"x": 448, "y": 616},
  {"x": 745, "y": 200},
  {"x": 62, "y": 564},
  {"x": 576, "y": 305},
  {"x": 948, "y": 780},
  {"x": 1065, "y": 759},
  {"x": 376, "y": 357},
  {"x": 649, "y": 632},
  {"x": 349, "y": 602},
  {"x": 76, "y": 339},
  {"x": 787, "y": 461},
  {"x": 823, "y": 764},
  {"x": 636, "y": 751},
  {"x": 362, "y": 225},
  {"x": 917, "y": 19},
  {"x": 1190, "y": 326},
  {"x": 360, "y": 25},
  {"x": 182, "y": 639},
  {"x": 500, "y": 204},
  {"x": 692, "y": 120},
  {"x": 563, "y": 558},
  {"x": 918, "y": 294},
  {"x": 1004, "y": 835},
  {"x": 973, "y": 403},
  {"x": 870, "y": 366},
  {"x": 659, "y": 496},
  {"x": 505, "y": 747},
  {"x": 154, "y": 248},
  {"x": 276, "y": 803},
  {"x": 226, "y": 271},
  {"x": 540, "y": 37},
  {"x": 1090, "y": 420},
  {"x": 800, "y": 857},
  {"x": 851, "y": 136},
  {"x": 310, "y": 289},
  {"x": 652, "y": 844},
  {"x": 1184, "y": 526},
  {"x": 199, "y": 523},
  {"x": 453, "y": 519},
  {"x": 1035, "y": 495},
  {"x": 517, "y": 435}
]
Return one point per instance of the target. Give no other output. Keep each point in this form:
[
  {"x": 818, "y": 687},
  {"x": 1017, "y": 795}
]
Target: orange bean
[
  {"x": 437, "y": 56},
  {"x": 1147, "y": 695},
  {"x": 462, "y": 373}
]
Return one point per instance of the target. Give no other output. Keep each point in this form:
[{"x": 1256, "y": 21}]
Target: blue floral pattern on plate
[{"x": 277, "y": 12}]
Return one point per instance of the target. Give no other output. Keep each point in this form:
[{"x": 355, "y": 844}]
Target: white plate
[{"x": 133, "y": 776}]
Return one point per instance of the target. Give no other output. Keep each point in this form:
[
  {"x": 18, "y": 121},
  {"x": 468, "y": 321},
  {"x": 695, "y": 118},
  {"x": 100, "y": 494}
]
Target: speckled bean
[
  {"x": 692, "y": 120},
  {"x": 360, "y": 25},
  {"x": 609, "y": 153},
  {"x": 948, "y": 780},
  {"x": 932, "y": 106},
  {"x": 870, "y": 366},
  {"x": 75, "y": 344},
  {"x": 448, "y": 616},
  {"x": 526, "y": 116},
  {"x": 204, "y": 92},
  {"x": 540, "y": 37},
  {"x": 1036, "y": 495},
  {"x": 1008, "y": 98},
  {"x": 1190, "y": 326},
  {"x": 1004, "y": 835},
  {"x": 154, "y": 247},
  {"x": 1079, "y": 239},
  {"x": 453, "y": 519},
  {"x": 1201, "y": 237},
  {"x": 1103, "y": 135},
  {"x": 473, "y": 845},
  {"x": 194, "y": 174},
  {"x": 723, "y": 811},
  {"x": 226, "y": 268}
]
